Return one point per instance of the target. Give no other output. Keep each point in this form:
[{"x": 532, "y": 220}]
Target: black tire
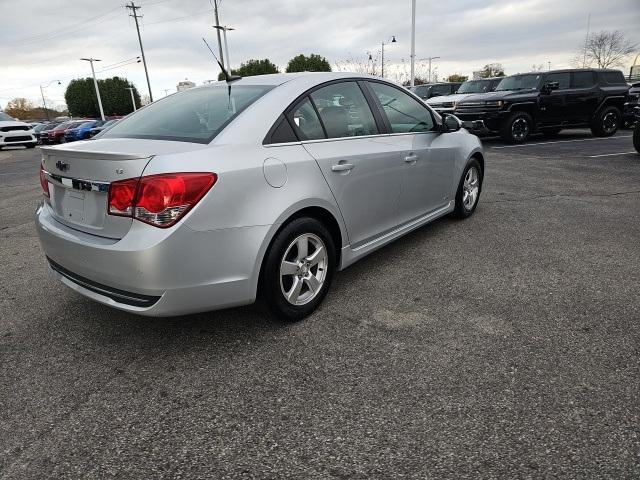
[
  {"x": 636, "y": 137},
  {"x": 550, "y": 132},
  {"x": 517, "y": 128},
  {"x": 272, "y": 285},
  {"x": 461, "y": 210},
  {"x": 606, "y": 122},
  {"x": 30, "y": 145}
]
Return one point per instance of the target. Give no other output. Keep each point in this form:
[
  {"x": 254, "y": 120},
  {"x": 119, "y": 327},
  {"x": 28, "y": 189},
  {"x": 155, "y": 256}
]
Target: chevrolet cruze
[{"x": 263, "y": 187}]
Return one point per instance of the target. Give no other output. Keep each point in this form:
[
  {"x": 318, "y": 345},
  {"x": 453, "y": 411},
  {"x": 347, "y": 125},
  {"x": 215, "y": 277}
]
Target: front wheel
[
  {"x": 517, "y": 128},
  {"x": 469, "y": 190},
  {"x": 636, "y": 136},
  {"x": 606, "y": 123},
  {"x": 298, "y": 269}
]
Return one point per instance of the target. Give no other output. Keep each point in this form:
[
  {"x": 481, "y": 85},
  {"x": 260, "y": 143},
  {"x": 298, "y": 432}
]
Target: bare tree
[
  {"x": 605, "y": 50},
  {"x": 368, "y": 64}
]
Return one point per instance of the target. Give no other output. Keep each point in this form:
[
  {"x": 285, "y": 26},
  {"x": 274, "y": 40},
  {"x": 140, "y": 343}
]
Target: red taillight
[
  {"x": 44, "y": 183},
  {"x": 159, "y": 200}
]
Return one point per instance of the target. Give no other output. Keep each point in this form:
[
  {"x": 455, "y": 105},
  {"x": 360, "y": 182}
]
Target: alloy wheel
[
  {"x": 520, "y": 129},
  {"x": 470, "y": 188},
  {"x": 303, "y": 269},
  {"x": 610, "y": 122}
]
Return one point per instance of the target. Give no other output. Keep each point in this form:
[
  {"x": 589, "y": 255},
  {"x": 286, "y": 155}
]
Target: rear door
[
  {"x": 428, "y": 162},
  {"x": 361, "y": 165},
  {"x": 583, "y": 97}
]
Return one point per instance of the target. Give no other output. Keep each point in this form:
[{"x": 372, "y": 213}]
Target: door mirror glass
[
  {"x": 451, "y": 123},
  {"x": 550, "y": 86}
]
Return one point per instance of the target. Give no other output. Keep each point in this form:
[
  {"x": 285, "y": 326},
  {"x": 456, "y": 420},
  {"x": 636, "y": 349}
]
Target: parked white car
[
  {"x": 13, "y": 132},
  {"x": 448, "y": 103}
]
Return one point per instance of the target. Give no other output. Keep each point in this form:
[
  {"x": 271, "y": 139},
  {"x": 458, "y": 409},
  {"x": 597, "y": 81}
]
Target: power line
[{"x": 146, "y": 24}]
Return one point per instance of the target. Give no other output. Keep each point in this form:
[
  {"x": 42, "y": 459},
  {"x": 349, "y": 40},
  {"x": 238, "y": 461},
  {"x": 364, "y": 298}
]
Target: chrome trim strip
[{"x": 77, "y": 183}]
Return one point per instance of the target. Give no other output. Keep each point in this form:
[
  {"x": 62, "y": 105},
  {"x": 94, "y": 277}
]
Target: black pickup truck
[{"x": 548, "y": 102}]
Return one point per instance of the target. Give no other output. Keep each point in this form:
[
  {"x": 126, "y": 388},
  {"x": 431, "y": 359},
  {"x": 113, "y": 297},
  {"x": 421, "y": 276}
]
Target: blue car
[{"x": 81, "y": 132}]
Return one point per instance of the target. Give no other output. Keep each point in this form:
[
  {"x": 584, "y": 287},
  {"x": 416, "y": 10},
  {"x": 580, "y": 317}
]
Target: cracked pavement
[{"x": 504, "y": 346}]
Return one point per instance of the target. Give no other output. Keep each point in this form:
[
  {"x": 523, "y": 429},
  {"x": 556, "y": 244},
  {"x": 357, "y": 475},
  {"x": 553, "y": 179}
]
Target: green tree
[
  {"x": 491, "y": 70},
  {"x": 253, "y": 67},
  {"x": 312, "y": 63},
  {"x": 457, "y": 78},
  {"x": 116, "y": 100}
]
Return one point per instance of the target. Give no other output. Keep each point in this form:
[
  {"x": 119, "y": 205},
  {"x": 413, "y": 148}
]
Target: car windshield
[
  {"x": 519, "y": 82},
  {"x": 63, "y": 126},
  {"x": 196, "y": 115},
  {"x": 475, "y": 86},
  {"x": 5, "y": 118},
  {"x": 86, "y": 125}
]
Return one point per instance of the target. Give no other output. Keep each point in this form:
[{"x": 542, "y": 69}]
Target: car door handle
[
  {"x": 342, "y": 167},
  {"x": 413, "y": 158}
]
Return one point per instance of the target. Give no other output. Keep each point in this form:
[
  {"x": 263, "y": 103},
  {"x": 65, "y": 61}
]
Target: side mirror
[
  {"x": 550, "y": 86},
  {"x": 450, "y": 123}
]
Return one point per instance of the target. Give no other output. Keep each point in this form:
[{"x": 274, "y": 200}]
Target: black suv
[
  {"x": 430, "y": 90},
  {"x": 547, "y": 102}
]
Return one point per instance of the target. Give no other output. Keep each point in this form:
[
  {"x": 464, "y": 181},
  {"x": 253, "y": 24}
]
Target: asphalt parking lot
[{"x": 504, "y": 346}]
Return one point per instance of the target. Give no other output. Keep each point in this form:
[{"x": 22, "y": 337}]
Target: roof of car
[{"x": 280, "y": 78}]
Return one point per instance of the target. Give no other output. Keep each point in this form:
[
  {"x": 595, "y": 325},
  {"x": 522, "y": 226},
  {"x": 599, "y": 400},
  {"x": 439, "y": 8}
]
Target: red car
[{"x": 56, "y": 135}]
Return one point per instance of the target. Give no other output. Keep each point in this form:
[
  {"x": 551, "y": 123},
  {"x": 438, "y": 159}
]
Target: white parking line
[
  {"x": 561, "y": 141},
  {"x": 611, "y": 154}
]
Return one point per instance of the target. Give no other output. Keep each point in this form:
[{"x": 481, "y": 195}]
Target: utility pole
[
  {"x": 43, "y": 100},
  {"x": 430, "y": 58},
  {"x": 95, "y": 83},
  {"x": 217, "y": 27},
  {"x": 134, "y": 14},
  {"x": 413, "y": 42},
  {"x": 133, "y": 100}
]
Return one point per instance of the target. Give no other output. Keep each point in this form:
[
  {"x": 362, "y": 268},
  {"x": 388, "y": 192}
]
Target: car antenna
[{"x": 227, "y": 77}]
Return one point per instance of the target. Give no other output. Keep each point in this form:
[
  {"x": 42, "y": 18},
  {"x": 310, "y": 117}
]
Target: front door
[
  {"x": 553, "y": 104},
  {"x": 428, "y": 158}
]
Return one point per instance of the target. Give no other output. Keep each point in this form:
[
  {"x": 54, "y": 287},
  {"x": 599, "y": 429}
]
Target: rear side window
[
  {"x": 306, "y": 121},
  {"x": 614, "y": 78},
  {"x": 583, "y": 79},
  {"x": 564, "y": 79},
  {"x": 344, "y": 111},
  {"x": 282, "y": 133},
  {"x": 405, "y": 114},
  {"x": 196, "y": 115}
]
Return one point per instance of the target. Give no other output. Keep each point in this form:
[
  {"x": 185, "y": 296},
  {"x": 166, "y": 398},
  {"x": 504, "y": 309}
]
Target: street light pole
[
  {"x": 392, "y": 40},
  {"x": 95, "y": 83},
  {"x": 430, "y": 58},
  {"x": 413, "y": 42},
  {"x": 133, "y": 100},
  {"x": 226, "y": 45}
]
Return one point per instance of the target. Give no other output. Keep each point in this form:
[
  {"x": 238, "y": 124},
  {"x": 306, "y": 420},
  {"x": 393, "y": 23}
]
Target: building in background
[{"x": 186, "y": 84}]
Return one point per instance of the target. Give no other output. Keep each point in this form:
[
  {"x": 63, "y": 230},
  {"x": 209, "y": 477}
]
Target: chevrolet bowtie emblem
[{"x": 62, "y": 166}]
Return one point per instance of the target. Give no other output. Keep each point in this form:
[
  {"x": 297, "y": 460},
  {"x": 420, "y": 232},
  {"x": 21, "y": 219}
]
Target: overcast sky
[{"x": 42, "y": 40}]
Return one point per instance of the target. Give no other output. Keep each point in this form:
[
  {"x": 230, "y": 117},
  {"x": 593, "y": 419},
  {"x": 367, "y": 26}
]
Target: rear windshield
[
  {"x": 519, "y": 82},
  {"x": 196, "y": 115},
  {"x": 475, "y": 86}
]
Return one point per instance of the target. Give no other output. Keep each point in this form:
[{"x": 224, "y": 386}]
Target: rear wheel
[
  {"x": 606, "y": 123},
  {"x": 298, "y": 269},
  {"x": 517, "y": 128},
  {"x": 469, "y": 190},
  {"x": 636, "y": 136}
]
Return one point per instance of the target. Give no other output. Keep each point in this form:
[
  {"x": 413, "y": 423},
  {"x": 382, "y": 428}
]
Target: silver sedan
[{"x": 263, "y": 187}]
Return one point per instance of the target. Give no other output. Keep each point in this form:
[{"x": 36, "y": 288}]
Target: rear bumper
[{"x": 156, "y": 272}]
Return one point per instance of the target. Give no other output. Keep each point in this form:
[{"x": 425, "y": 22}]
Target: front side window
[
  {"x": 344, "y": 111},
  {"x": 196, "y": 115},
  {"x": 563, "y": 79},
  {"x": 405, "y": 114},
  {"x": 614, "y": 78},
  {"x": 519, "y": 82}
]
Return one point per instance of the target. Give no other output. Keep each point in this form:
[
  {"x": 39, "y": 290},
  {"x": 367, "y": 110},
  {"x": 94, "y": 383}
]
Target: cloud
[{"x": 42, "y": 40}]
